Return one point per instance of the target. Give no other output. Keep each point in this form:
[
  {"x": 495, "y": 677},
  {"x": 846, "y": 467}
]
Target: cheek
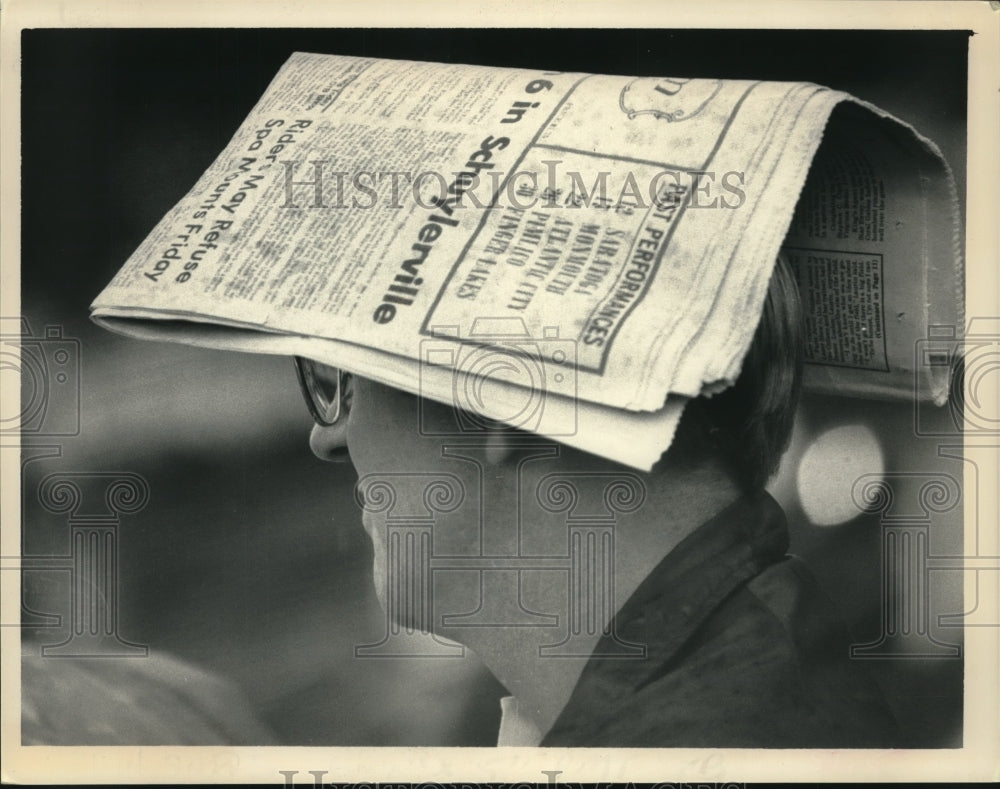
[{"x": 382, "y": 430}]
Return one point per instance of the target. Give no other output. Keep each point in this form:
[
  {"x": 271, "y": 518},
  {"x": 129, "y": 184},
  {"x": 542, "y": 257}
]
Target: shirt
[
  {"x": 743, "y": 649},
  {"x": 516, "y": 728}
]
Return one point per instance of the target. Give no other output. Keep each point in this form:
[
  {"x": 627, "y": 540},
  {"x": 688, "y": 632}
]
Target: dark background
[{"x": 249, "y": 558}]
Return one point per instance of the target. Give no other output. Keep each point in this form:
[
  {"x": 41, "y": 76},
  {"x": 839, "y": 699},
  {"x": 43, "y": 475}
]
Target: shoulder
[{"x": 768, "y": 667}]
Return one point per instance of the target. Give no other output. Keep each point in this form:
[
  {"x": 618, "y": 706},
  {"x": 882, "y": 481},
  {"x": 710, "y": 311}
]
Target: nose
[{"x": 330, "y": 443}]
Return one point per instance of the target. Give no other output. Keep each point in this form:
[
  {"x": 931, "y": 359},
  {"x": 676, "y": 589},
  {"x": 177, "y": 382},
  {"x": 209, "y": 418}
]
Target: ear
[{"x": 498, "y": 445}]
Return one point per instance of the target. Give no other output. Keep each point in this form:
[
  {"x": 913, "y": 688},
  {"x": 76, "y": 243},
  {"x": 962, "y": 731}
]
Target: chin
[
  {"x": 401, "y": 615},
  {"x": 406, "y": 572}
]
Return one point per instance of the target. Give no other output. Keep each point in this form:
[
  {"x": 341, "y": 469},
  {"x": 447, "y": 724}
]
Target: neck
[{"x": 677, "y": 502}]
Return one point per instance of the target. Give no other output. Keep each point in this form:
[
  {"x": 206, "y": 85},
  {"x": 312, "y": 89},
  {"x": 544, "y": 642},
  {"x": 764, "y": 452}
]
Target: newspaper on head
[{"x": 572, "y": 254}]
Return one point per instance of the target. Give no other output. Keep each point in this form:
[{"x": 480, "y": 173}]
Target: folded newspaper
[{"x": 573, "y": 254}]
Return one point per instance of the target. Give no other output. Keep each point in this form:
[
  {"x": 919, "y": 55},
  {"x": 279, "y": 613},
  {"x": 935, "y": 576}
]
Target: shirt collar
[{"x": 516, "y": 728}]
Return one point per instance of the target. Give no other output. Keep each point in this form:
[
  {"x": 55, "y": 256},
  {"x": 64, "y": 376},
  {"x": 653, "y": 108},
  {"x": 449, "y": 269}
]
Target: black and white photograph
[{"x": 490, "y": 397}]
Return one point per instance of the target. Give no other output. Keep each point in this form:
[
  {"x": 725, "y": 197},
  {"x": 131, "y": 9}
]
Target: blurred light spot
[{"x": 828, "y": 469}]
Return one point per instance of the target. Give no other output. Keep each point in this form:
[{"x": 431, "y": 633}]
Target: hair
[{"x": 749, "y": 425}]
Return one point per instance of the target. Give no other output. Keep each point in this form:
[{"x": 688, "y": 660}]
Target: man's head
[
  {"x": 748, "y": 425},
  {"x": 738, "y": 437}
]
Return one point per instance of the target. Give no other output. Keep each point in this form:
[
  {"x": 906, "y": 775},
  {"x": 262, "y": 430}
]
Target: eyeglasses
[{"x": 326, "y": 390}]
